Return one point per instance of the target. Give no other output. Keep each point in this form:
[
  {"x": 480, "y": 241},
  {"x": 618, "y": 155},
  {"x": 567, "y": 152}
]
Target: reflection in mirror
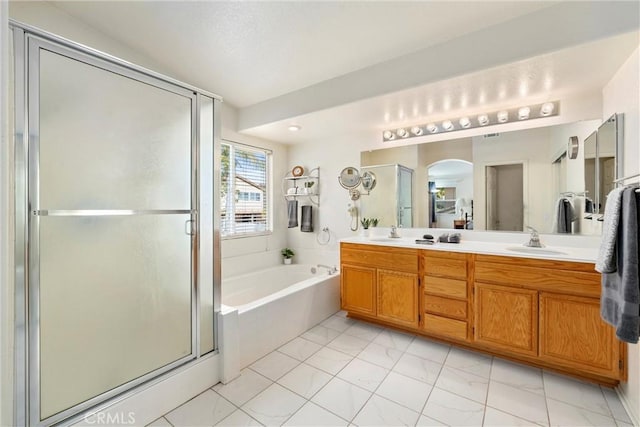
[
  {"x": 608, "y": 145},
  {"x": 536, "y": 155},
  {"x": 392, "y": 200},
  {"x": 590, "y": 169},
  {"x": 451, "y": 198}
]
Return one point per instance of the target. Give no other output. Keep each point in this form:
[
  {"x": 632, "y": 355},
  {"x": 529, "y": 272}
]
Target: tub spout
[{"x": 330, "y": 269}]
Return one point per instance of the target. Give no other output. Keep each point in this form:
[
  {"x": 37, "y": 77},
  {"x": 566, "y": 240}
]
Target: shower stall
[{"x": 117, "y": 273}]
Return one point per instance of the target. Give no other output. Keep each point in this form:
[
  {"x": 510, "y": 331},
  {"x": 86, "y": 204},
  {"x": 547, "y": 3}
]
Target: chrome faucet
[
  {"x": 331, "y": 270},
  {"x": 394, "y": 232},
  {"x": 534, "y": 239}
]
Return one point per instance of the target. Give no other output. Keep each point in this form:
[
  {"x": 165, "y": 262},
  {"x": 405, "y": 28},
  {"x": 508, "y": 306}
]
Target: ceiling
[{"x": 346, "y": 66}]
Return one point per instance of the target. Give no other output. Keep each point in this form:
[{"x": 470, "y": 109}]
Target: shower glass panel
[
  {"x": 112, "y": 229},
  {"x": 110, "y": 142},
  {"x": 111, "y": 308}
]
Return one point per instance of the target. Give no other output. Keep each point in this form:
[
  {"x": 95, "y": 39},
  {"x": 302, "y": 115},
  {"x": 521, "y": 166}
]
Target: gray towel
[
  {"x": 564, "y": 216},
  {"x": 620, "y": 298},
  {"x": 292, "y": 210},
  {"x": 307, "y": 219},
  {"x": 606, "y": 261}
]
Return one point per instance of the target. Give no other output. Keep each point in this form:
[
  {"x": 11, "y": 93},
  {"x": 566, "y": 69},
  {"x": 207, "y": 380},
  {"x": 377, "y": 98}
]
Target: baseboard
[{"x": 635, "y": 420}]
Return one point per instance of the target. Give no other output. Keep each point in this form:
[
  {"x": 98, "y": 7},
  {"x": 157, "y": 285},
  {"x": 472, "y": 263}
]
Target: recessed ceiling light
[
  {"x": 465, "y": 122},
  {"x": 523, "y": 113},
  {"x": 546, "y": 109},
  {"x": 432, "y": 128},
  {"x": 294, "y": 128},
  {"x": 483, "y": 120},
  {"x": 503, "y": 116},
  {"x": 447, "y": 125}
]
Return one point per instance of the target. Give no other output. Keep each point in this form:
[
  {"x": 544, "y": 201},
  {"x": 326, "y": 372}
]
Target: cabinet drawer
[
  {"x": 443, "y": 326},
  {"x": 392, "y": 258},
  {"x": 445, "y": 306},
  {"x": 445, "y": 267},
  {"x": 445, "y": 287}
]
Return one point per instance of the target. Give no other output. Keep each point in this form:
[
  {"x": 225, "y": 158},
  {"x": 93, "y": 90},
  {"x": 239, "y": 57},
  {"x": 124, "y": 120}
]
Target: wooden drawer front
[
  {"x": 573, "y": 335},
  {"x": 445, "y": 327},
  {"x": 506, "y": 318},
  {"x": 452, "y": 268},
  {"x": 434, "y": 254},
  {"x": 564, "y": 281},
  {"x": 445, "y": 307},
  {"x": 392, "y": 258},
  {"x": 445, "y": 287}
]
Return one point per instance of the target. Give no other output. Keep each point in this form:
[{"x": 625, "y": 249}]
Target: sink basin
[{"x": 540, "y": 251}]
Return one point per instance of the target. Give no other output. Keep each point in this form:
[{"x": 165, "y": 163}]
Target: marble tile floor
[{"x": 344, "y": 372}]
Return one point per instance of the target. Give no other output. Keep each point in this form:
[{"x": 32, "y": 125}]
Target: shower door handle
[{"x": 189, "y": 227}]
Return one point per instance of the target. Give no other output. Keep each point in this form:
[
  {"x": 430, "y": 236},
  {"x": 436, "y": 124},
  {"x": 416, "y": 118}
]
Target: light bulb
[
  {"x": 483, "y": 120},
  {"x": 503, "y": 116},
  {"x": 447, "y": 125},
  {"x": 547, "y": 108},
  {"x": 416, "y": 130},
  {"x": 465, "y": 122},
  {"x": 523, "y": 113},
  {"x": 432, "y": 128},
  {"x": 294, "y": 128},
  {"x": 402, "y": 133},
  {"x": 388, "y": 135}
]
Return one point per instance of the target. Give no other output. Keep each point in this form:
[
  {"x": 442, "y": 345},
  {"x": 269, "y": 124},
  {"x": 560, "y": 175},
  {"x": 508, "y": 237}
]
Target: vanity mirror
[{"x": 534, "y": 162}]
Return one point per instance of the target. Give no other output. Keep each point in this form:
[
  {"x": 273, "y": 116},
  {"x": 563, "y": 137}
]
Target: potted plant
[
  {"x": 366, "y": 223},
  {"x": 287, "y": 254},
  {"x": 308, "y": 187}
]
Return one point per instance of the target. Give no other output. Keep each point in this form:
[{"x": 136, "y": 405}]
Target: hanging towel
[
  {"x": 307, "y": 219},
  {"x": 564, "y": 215},
  {"x": 620, "y": 297},
  {"x": 292, "y": 210},
  {"x": 588, "y": 205},
  {"x": 606, "y": 261}
]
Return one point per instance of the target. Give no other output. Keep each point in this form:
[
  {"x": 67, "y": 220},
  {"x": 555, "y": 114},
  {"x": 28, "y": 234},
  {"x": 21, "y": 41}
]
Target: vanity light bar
[{"x": 527, "y": 112}]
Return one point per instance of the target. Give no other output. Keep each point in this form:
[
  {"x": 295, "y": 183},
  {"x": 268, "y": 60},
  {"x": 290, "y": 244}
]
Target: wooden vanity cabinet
[
  {"x": 546, "y": 310},
  {"x": 380, "y": 282},
  {"x": 542, "y": 312}
]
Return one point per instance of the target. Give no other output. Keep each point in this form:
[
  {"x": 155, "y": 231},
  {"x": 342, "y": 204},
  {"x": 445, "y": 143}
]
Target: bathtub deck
[{"x": 345, "y": 371}]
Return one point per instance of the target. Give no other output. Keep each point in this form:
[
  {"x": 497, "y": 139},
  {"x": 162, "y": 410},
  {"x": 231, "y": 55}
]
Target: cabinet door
[
  {"x": 506, "y": 318},
  {"x": 398, "y": 297},
  {"x": 358, "y": 289},
  {"x": 573, "y": 335}
]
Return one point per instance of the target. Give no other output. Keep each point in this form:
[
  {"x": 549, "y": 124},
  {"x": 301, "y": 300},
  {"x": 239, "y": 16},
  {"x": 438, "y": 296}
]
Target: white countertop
[{"x": 512, "y": 249}]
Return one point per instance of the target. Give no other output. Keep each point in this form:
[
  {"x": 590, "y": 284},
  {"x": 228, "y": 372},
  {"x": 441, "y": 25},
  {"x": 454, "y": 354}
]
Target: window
[{"x": 244, "y": 190}]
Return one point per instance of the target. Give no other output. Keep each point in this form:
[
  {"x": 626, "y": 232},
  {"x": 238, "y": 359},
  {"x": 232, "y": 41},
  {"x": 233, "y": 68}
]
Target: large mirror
[{"x": 501, "y": 182}]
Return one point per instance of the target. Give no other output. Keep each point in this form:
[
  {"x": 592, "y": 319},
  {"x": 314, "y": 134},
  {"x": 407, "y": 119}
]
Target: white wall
[
  {"x": 252, "y": 253},
  {"x": 622, "y": 95},
  {"x": 6, "y": 242}
]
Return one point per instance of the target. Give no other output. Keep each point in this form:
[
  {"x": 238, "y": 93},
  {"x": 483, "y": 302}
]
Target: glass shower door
[{"x": 111, "y": 196}]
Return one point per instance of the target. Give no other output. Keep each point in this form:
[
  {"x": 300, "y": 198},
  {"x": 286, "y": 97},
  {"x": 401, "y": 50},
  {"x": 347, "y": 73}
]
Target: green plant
[
  {"x": 309, "y": 184},
  {"x": 369, "y": 222},
  {"x": 287, "y": 253}
]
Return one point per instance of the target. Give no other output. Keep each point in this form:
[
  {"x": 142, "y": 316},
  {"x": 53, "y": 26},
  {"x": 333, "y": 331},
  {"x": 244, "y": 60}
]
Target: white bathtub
[{"x": 265, "y": 309}]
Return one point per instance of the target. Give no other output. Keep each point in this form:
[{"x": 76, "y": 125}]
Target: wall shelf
[{"x": 294, "y": 188}]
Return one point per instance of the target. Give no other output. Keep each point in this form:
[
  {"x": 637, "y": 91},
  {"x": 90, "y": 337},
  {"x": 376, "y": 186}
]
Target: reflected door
[{"x": 111, "y": 256}]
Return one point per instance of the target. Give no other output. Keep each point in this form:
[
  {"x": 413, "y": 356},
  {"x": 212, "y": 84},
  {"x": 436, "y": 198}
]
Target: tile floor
[{"x": 344, "y": 372}]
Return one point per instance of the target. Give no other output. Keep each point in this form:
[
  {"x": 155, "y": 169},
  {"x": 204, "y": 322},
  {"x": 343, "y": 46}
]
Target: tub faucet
[
  {"x": 534, "y": 239},
  {"x": 394, "y": 232},
  {"x": 331, "y": 270}
]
